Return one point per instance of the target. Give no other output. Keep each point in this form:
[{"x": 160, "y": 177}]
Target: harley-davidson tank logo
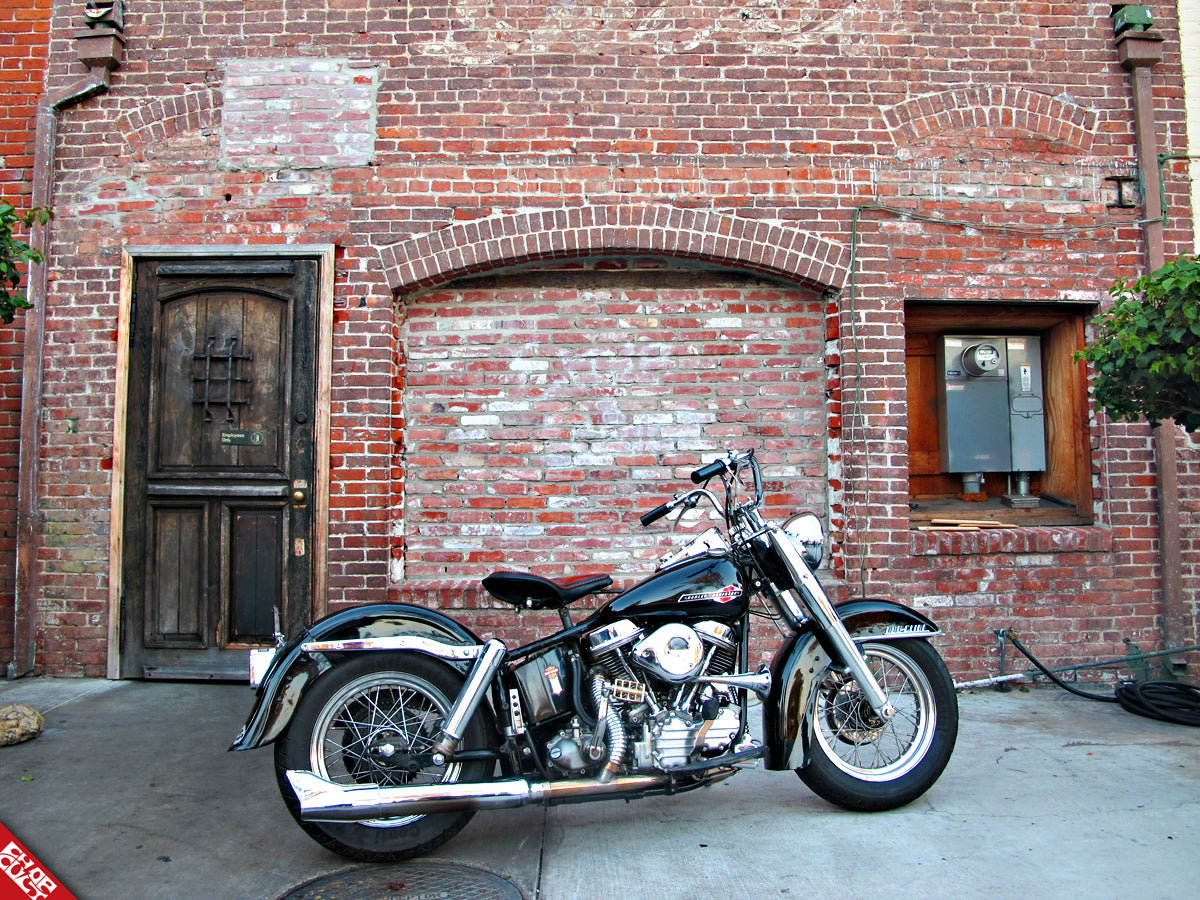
[{"x": 725, "y": 595}]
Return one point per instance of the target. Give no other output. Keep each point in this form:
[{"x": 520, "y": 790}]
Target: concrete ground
[{"x": 130, "y": 794}]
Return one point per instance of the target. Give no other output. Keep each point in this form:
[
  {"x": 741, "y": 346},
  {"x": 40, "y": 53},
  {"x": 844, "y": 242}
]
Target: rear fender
[
  {"x": 385, "y": 626},
  {"x": 801, "y": 662}
]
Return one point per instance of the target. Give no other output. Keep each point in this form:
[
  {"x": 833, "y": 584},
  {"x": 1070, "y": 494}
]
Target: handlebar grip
[
  {"x": 716, "y": 467},
  {"x": 655, "y": 514}
]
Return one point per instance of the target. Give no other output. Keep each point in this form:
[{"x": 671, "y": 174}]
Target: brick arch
[
  {"x": 992, "y": 106},
  {"x": 166, "y": 117},
  {"x": 507, "y": 240}
]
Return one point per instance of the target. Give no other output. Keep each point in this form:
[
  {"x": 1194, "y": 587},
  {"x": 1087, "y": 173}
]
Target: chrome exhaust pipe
[{"x": 325, "y": 801}]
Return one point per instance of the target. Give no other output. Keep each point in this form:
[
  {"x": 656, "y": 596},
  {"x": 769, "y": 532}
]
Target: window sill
[{"x": 1021, "y": 539}]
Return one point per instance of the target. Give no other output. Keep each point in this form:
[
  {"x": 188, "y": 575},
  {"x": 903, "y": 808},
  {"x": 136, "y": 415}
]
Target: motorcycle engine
[
  {"x": 671, "y": 717},
  {"x": 674, "y": 653}
]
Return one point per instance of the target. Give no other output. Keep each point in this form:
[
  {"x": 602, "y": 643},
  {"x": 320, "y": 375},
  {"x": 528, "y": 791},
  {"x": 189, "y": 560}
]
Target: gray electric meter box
[{"x": 990, "y": 404}]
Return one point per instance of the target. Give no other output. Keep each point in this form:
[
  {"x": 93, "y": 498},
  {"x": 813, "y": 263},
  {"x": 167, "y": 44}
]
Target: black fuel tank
[{"x": 704, "y": 588}]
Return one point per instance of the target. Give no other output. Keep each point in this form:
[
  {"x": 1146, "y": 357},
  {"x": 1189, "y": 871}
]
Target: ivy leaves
[
  {"x": 15, "y": 255},
  {"x": 1147, "y": 353}
]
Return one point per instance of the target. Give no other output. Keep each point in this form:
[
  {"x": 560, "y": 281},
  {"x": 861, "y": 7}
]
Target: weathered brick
[{"x": 525, "y": 419}]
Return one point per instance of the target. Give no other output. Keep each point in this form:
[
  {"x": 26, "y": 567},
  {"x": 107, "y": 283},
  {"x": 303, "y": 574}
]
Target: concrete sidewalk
[{"x": 130, "y": 794}]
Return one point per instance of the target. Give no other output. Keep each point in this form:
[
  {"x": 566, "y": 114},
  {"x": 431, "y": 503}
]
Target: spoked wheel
[
  {"x": 374, "y": 720},
  {"x": 861, "y": 762}
]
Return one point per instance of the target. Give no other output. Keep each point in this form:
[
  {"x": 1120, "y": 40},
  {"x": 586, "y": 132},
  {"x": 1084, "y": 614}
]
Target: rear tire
[
  {"x": 860, "y": 762},
  {"x": 373, "y": 701}
]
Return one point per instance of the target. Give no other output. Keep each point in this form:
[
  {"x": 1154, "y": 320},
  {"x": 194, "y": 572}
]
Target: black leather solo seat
[{"x": 528, "y": 591}]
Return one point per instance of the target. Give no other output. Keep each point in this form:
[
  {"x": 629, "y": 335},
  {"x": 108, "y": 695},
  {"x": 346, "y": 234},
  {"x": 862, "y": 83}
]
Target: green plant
[
  {"x": 15, "y": 255},
  {"x": 1147, "y": 354}
]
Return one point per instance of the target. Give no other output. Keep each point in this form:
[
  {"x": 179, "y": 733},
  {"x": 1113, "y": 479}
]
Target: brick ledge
[{"x": 1058, "y": 539}]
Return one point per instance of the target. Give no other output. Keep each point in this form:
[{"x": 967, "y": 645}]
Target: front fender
[
  {"x": 297, "y": 664},
  {"x": 800, "y": 664}
]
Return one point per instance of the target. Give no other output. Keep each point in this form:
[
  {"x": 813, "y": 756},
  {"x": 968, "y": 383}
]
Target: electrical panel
[{"x": 990, "y": 404}]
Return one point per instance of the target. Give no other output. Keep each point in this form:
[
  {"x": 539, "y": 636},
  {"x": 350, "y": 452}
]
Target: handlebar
[
  {"x": 714, "y": 468},
  {"x": 657, "y": 513},
  {"x": 730, "y": 465}
]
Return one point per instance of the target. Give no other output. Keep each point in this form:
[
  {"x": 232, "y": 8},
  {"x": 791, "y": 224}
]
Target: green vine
[
  {"x": 1147, "y": 354},
  {"x": 15, "y": 256}
]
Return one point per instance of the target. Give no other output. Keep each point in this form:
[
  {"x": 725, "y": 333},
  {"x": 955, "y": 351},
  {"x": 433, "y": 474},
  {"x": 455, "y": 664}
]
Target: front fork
[{"x": 828, "y": 621}]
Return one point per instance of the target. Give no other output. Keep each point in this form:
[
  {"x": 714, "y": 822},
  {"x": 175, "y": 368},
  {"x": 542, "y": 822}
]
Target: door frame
[{"x": 324, "y": 256}]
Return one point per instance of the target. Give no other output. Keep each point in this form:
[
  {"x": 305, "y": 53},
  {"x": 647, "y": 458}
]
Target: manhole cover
[{"x": 415, "y": 881}]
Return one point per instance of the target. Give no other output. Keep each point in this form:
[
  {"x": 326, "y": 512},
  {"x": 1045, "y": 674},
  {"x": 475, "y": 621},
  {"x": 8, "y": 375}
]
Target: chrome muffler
[{"x": 325, "y": 801}]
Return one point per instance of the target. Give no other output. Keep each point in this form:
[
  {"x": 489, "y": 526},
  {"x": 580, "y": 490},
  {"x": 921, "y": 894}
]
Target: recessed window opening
[{"x": 997, "y": 414}]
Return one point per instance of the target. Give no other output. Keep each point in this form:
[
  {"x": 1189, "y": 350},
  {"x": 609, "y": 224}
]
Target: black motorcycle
[{"x": 393, "y": 724}]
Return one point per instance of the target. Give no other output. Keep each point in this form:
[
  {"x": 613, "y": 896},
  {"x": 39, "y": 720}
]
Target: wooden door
[{"x": 219, "y": 463}]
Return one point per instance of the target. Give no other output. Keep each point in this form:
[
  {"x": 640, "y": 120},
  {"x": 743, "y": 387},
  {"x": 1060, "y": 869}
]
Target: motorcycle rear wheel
[
  {"x": 862, "y": 763},
  {"x": 348, "y": 727}
]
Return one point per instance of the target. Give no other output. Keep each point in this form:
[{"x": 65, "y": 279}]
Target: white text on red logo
[{"x": 25, "y": 872}]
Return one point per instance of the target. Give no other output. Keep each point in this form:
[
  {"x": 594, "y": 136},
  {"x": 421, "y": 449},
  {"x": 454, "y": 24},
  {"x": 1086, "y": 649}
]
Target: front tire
[
  {"x": 348, "y": 729},
  {"x": 864, "y": 764}
]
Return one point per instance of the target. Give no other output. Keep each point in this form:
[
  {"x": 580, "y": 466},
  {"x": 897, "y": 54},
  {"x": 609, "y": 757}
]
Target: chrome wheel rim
[
  {"x": 855, "y": 739},
  {"x": 369, "y": 721}
]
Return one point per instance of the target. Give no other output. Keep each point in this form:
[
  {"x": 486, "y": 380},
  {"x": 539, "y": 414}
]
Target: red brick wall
[
  {"x": 542, "y": 417},
  {"x": 24, "y": 42},
  {"x": 24, "y": 36},
  {"x": 986, "y": 129},
  {"x": 962, "y": 233}
]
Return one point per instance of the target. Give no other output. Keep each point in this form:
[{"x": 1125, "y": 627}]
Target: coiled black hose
[{"x": 1168, "y": 701}]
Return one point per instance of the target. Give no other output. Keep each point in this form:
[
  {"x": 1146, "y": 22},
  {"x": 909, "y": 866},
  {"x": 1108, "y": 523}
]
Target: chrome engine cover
[
  {"x": 611, "y": 637},
  {"x": 672, "y": 740},
  {"x": 724, "y": 729},
  {"x": 673, "y": 652}
]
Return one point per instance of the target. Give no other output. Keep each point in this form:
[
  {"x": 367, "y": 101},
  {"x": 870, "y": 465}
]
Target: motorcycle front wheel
[
  {"x": 358, "y": 725},
  {"x": 862, "y": 763}
]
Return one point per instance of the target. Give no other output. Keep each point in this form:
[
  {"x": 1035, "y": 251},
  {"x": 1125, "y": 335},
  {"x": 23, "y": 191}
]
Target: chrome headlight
[{"x": 807, "y": 536}]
